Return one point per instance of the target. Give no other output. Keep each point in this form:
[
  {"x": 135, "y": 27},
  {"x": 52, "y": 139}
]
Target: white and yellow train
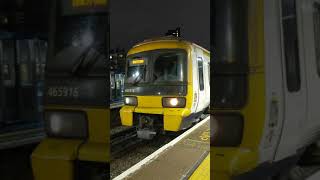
[
  {"x": 266, "y": 83},
  {"x": 167, "y": 85}
]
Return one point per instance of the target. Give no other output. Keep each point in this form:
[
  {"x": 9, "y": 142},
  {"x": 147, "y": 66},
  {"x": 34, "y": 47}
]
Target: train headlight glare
[
  {"x": 66, "y": 124},
  {"x": 174, "y": 102},
  {"x": 131, "y": 101},
  {"x": 127, "y": 100}
]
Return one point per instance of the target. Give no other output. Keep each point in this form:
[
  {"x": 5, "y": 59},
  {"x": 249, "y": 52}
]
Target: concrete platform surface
[{"x": 179, "y": 159}]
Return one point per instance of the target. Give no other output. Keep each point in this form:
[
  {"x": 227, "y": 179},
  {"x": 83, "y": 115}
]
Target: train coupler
[{"x": 146, "y": 134}]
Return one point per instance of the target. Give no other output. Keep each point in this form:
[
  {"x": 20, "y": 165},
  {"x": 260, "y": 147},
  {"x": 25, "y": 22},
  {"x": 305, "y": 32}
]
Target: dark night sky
[{"x": 133, "y": 21}]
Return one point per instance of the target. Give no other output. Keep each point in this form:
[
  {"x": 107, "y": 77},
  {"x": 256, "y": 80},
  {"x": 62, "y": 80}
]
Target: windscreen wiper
[
  {"x": 88, "y": 60},
  {"x": 139, "y": 77}
]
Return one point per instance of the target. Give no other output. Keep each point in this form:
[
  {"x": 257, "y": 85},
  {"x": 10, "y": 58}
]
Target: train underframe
[{"x": 149, "y": 125}]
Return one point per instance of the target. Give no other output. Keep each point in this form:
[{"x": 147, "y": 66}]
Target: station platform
[{"x": 186, "y": 157}]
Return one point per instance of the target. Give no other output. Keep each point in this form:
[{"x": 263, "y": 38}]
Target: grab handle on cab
[{"x": 274, "y": 112}]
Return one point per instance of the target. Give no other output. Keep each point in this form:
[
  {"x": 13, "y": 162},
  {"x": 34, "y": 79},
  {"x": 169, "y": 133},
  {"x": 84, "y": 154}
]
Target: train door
[
  {"x": 274, "y": 79},
  {"x": 293, "y": 66},
  {"x": 310, "y": 16},
  {"x": 201, "y": 81},
  {"x": 206, "y": 75}
]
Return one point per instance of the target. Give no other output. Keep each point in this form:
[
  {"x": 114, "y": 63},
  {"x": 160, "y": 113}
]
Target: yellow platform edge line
[{"x": 203, "y": 171}]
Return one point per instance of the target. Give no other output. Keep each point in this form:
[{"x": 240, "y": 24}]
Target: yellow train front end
[
  {"x": 158, "y": 89},
  {"x": 76, "y": 95},
  {"x": 238, "y": 93},
  {"x": 67, "y": 157},
  {"x": 172, "y": 117}
]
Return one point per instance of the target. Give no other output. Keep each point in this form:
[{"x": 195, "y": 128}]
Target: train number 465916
[{"x": 63, "y": 92}]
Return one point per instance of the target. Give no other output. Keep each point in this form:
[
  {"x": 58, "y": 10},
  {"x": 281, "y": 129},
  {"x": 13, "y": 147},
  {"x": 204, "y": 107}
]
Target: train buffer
[{"x": 186, "y": 157}]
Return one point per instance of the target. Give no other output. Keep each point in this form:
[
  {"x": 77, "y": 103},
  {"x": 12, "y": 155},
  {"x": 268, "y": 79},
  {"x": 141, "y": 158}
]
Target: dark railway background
[
  {"x": 15, "y": 163},
  {"x": 21, "y": 106}
]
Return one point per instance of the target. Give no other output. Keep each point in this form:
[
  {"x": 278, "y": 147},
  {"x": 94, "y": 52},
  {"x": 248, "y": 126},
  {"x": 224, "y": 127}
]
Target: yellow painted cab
[
  {"x": 76, "y": 94},
  {"x": 167, "y": 86}
]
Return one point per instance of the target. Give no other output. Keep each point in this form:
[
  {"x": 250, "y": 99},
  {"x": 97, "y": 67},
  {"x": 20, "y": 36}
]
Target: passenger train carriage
[
  {"x": 266, "y": 77},
  {"x": 167, "y": 85}
]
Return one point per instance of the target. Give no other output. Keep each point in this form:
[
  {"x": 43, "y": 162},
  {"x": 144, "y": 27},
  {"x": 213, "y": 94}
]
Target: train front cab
[
  {"x": 76, "y": 96},
  {"x": 169, "y": 105},
  {"x": 264, "y": 78},
  {"x": 69, "y": 158}
]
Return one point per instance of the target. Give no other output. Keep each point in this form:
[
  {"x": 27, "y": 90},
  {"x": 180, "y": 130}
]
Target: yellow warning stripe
[{"x": 203, "y": 171}]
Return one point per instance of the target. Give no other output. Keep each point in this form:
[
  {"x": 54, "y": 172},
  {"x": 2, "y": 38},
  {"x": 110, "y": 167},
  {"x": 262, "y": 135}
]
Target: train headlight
[
  {"x": 131, "y": 101},
  {"x": 66, "y": 124},
  {"x": 174, "y": 102}
]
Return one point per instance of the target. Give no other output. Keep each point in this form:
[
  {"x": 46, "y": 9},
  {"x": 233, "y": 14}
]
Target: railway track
[{"x": 124, "y": 141}]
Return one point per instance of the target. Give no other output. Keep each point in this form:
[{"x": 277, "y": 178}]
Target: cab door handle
[{"x": 274, "y": 112}]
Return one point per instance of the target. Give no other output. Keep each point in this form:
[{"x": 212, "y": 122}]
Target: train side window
[
  {"x": 290, "y": 44},
  {"x": 208, "y": 65},
  {"x": 200, "y": 69},
  {"x": 316, "y": 20}
]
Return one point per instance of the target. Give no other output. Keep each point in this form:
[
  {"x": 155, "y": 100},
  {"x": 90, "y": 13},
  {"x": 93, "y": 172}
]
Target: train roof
[{"x": 169, "y": 39}]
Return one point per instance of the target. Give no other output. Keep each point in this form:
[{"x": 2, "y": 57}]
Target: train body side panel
[
  {"x": 274, "y": 104},
  {"x": 310, "y": 35},
  {"x": 280, "y": 122},
  {"x": 201, "y": 97},
  {"x": 295, "y": 106},
  {"x": 94, "y": 152}
]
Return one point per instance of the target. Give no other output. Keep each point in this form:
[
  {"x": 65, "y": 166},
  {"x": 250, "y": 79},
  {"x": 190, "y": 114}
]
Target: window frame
[
  {"x": 290, "y": 45},
  {"x": 316, "y": 30},
  {"x": 200, "y": 73}
]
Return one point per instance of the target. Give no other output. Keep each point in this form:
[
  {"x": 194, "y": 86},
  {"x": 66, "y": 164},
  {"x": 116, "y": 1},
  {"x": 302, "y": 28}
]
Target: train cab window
[
  {"x": 136, "y": 74},
  {"x": 169, "y": 67},
  {"x": 208, "y": 72},
  {"x": 200, "y": 69},
  {"x": 290, "y": 45},
  {"x": 83, "y": 41},
  {"x": 316, "y": 20},
  {"x": 157, "y": 67}
]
